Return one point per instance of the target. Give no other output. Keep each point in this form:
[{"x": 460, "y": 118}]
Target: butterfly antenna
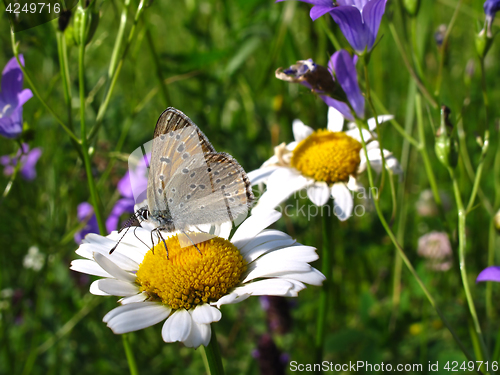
[
  {"x": 120, "y": 240},
  {"x": 192, "y": 242}
]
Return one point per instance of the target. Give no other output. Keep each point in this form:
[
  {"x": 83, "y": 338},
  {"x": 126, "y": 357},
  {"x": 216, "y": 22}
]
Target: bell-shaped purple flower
[
  {"x": 343, "y": 66},
  {"x": 133, "y": 179},
  {"x": 490, "y": 9},
  {"x": 359, "y": 20},
  {"x": 28, "y": 160},
  {"x": 12, "y": 98},
  {"x": 489, "y": 274},
  {"x": 85, "y": 214}
]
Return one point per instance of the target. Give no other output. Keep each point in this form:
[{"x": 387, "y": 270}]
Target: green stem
[
  {"x": 85, "y": 149},
  {"x": 63, "y": 65},
  {"x": 479, "y": 171},
  {"x": 326, "y": 269},
  {"x": 442, "y": 49},
  {"x": 462, "y": 216},
  {"x": 104, "y": 105},
  {"x": 130, "y": 355},
  {"x": 402, "y": 207},
  {"x": 12, "y": 178},
  {"x": 15, "y": 49},
  {"x": 485, "y": 93},
  {"x": 393, "y": 122},
  {"x": 464, "y": 156},
  {"x": 330, "y": 35},
  {"x": 119, "y": 39},
  {"x": 410, "y": 69},
  {"x": 427, "y": 163},
  {"x": 403, "y": 255},
  {"x": 159, "y": 73},
  {"x": 211, "y": 356}
]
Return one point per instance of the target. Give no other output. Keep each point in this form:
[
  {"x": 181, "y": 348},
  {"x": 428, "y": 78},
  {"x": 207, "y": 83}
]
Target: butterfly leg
[
  {"x": 192, "y": 242},
  {"x": 164, "y": 243}
]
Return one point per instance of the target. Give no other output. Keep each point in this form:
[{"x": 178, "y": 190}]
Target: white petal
[
  {"x": 94, "y": 289},
  {"x": 177, "y": 327},
  {"x": 117, "y": 287},
  {"x": 265, "y": 248},
  {"x": 335, "y": 120},
  {"x": 253, "y": 225},
  {"x": 206, "y": 314},
  {"x": 354, "y": 133},
  {"x": 109, "y": 266},
  {"x": 312, "y": 277},
  {"x": 270, "y": 287},
  {"x": 319, "y": 193},
  {"x": 141, "y": 297},
  {"x": 261, "y": 175},
  {"x": 231, "y": 298},
  {"x": 135, "y": 316},
  {"x": 282, "y": 183},
  {"x": 343, "y": 202},
  {"x": 89, "y": 267},
  {"x": 118, "y": 257},
  {"x": 393, "y": 164},
  {"x": 298, "y": 253},
  {"x": 354, "y": 185},
  {"x": 301, "y": 131},
  {"x": 200, "y": 335},
  {"x": 264, "y": 236},
  {"x": 225, "y": 230},
  {"x": 382, "y": 118},
  {"x": 269, "y": 268}
]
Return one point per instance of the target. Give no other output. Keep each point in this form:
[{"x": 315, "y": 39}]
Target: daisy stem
[
  {"x": 211, "y": 356},
  {"x": 130, "y": 355},
  {"x": 326, "y": 269},
  {"x": 407, "y": 262},
  {"x": 85, "y": 149}
]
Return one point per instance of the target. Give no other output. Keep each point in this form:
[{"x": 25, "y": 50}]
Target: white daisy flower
[
  {"x": 326, "y": 162},
  {"x": 187, "y": 288}
]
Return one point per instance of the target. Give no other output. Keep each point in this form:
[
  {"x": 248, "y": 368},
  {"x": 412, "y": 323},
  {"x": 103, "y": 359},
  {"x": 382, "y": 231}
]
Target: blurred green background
[{"x": 217, "y": 59}]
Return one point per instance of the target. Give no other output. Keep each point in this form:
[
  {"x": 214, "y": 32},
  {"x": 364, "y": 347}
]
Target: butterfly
[{"x": 190, "y": 184}]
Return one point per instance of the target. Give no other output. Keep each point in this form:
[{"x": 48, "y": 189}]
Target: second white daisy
[{"x": 326, "y": 162}]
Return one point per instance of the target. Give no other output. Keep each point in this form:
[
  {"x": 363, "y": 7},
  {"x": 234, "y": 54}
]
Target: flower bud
[
  {"x": 483, "y": 41},
  {"x": 496, "y": 221},
  {"x": 91, "y": 23},
  {"x": 446, "y": 144},
  {"x": 411, "y": 6}
]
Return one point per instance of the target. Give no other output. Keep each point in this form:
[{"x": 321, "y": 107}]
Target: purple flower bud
[
  {"x": 85, "y": 214},
  {"x": 28, "y": 160},
  {"x": 269, "y": 357},
  {"x": 12, "y": 99}
]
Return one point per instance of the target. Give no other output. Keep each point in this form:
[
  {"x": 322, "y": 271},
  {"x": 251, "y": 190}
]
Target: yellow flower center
[
  {"x": 188, "y": 278},
  {"x": 327, "y": 156}
]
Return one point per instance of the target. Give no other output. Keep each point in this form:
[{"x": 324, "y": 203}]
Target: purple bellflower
[
  {"x": 28, "y": 160},
  {"x": 341, "y": 71},
  {"x": 489, "y": 274},
  {"x": 134, "y": 180},
  {"x": 85, "y": 214},
  {"x": 12, "y": 98},
  {"x": 359, "y": 20},
  {"x": 490, "y": 9}
]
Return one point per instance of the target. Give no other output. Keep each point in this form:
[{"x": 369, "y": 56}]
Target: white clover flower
[
  {"x": 326, "y": 162},
  {"x": 34, "y": 259},
  {"x": 188, "y": 286}
]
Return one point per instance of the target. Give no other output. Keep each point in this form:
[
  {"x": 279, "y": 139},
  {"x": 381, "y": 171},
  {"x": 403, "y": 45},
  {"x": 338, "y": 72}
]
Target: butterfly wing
[
  {"x": 212, "y": 189},
  {"x": 172, "y": 120},
  {"x": 170, "y": 152}
]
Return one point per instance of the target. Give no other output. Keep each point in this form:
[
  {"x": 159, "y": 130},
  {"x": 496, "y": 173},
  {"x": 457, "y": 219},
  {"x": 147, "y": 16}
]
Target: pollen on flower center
[
  {"x": 327, "y": 156},
  {"x": 188, "y": 278}
]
